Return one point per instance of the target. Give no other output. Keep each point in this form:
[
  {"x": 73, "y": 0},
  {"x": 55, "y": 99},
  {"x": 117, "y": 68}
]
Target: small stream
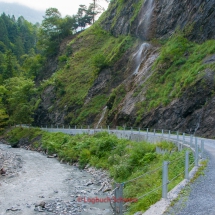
[{"x": 39, "y": 179}]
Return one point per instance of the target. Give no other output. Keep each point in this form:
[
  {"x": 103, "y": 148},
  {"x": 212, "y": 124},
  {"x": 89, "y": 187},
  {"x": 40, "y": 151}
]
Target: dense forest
[{"x": 24, "y": 50}]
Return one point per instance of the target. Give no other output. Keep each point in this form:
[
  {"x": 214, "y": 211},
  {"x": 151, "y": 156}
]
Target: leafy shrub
[
  {"x": 99, "y": 62},
  {"x": 62, "y": 58},
  {"x": 84, "y": 157}
]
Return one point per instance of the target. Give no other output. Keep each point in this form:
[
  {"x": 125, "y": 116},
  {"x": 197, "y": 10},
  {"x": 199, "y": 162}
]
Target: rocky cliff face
[
  {"x": 127, "y": 81},
  {"x": 193, "y": 112},
  {"x": 160, "y": 18}
]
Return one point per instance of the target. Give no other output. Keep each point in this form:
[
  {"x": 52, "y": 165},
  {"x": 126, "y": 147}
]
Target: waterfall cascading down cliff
[
  {"x": 140, "y": 55},
  {"x": 144, "y": 22},
  {"x": 145, "y": 19}
]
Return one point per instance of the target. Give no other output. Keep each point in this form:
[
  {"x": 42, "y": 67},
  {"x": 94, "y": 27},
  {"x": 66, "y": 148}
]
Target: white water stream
[
  {"x": 140, "y": 55},
  {"x": 146, "y": 15}
]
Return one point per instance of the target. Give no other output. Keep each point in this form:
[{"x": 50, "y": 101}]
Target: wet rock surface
[
  {"x": 194, "y": 17},
  {"x": 35, "y": 184}
]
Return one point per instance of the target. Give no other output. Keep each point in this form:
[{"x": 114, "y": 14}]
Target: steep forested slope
[{"x": 19, "y": 64}]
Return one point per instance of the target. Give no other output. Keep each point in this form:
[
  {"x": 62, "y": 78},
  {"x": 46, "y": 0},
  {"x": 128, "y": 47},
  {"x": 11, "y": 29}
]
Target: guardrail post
[
  {"x": 178, "y": 143},
  {"x": 162, "y": 132},
  {"x": 191, "y": 140},
  {"x": 187, "y": 165},
  {"x": 183, "y": 138},
  {"x": 169, "y": 133},
  {"x": 177, "y": 136},
  {"x": 202, "y": 148},
  {"x": 118, "y": 201},
  {"x": 165, "y": 180},
  {"x": 196, "y": 152},
  {"x": 69, "y": 126}
]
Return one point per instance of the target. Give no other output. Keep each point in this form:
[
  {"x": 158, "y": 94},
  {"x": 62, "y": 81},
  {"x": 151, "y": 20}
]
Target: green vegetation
[
  {"x": 124, "y": 159},
  {"x": 18, "y": 96},
  {"x": 20, "y": 62},
  {"x": 137, "y": 6},
  {"x": 119, "y": 6},
  {"x": 115, "y": 98},
  {"x": 179, "y": 66},
  {"x": 93, "y": 50}
]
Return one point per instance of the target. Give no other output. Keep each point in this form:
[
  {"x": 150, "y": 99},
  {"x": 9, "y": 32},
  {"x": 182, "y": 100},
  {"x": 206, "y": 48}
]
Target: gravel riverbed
[{"x": 31, "y": 183}]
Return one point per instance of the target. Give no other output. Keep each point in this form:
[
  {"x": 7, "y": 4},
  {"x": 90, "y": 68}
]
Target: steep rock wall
[{"x": 160, "y": 18}]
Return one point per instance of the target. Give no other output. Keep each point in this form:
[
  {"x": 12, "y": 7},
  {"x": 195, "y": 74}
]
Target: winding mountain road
[{"x": 201, "y": 193}]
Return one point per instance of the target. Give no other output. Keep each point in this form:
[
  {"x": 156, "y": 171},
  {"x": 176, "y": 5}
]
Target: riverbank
[{"x": 44, "y": 185}]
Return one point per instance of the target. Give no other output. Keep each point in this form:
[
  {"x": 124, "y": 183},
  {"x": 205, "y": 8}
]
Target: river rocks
[
  {"x": 101, "y": 178},
  {"x": 13, "y": 209},
  {"x": 40, "y": 206},
  {"x": 2, "y": 171},
  {"x": 10, "y": 163},
  {"x": 52, "y": 156},
  {"x": 69, "y": 191},
  {"x": 59, "y": 206},
  {"x": 89, "y": 183}
]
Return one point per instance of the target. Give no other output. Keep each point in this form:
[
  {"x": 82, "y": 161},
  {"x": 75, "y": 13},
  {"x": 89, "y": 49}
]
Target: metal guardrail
[{"x": 151, "y": 135}]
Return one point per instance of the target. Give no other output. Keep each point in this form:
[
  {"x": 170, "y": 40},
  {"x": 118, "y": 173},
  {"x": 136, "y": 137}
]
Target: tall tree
[
  {"x": 81, "y": 16},
  {"x": 3, "y": 115},
  {"x": 18, "y": 99},
  {"x": 4, "y": 34},
  {"x": 97, "y": 8},
  {"x": 9, "y": 66},
  {"x": 50, "y": 32}
]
